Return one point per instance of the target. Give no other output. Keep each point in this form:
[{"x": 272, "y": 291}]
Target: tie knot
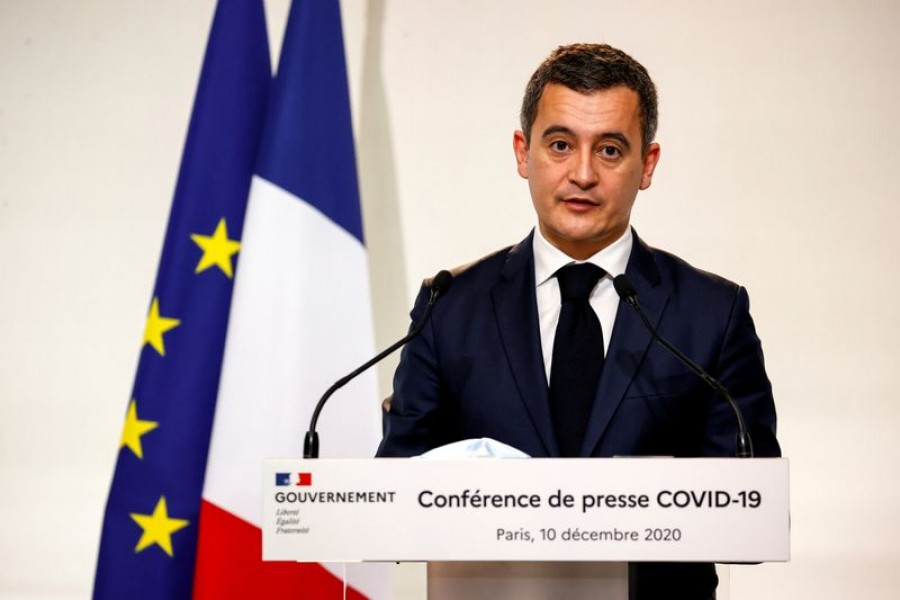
[{"x": 577, "y": 280}]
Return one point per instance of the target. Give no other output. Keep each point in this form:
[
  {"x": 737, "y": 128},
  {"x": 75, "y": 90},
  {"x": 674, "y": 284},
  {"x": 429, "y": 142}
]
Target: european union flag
[{"x": 149, "y": 538}]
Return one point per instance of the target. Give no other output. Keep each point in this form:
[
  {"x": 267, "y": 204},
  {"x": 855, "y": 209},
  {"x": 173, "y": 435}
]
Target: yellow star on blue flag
[
  {"x": 217, "y": 249},
  {"x": 133, "y": 430},
  {"x": 156, "y": 326},
  {"x": 158, "y": 528}
]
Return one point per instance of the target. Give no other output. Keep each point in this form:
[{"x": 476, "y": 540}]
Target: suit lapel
[
  {"x": 629, "y": 343},
  {"x": 515, "y": 308}
]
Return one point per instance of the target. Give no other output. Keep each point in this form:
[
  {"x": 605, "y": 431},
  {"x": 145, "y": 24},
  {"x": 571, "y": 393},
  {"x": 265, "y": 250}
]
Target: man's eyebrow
[
  {"x": 554, "y": 129},
  {"x": 615, "y": 135}
]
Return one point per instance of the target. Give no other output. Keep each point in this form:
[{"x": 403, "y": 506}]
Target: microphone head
[
  {"x": 624, "y": 288},
  {"x": 440, "y": 283}
]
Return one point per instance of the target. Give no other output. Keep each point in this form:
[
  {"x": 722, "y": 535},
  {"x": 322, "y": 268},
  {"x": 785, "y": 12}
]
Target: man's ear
[
  {"x": 651, "y": 157},
  {"x": 520, "y": 147}
]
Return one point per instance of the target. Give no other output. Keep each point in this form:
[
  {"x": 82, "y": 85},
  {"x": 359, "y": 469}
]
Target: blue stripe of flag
[{"x": 308, "y": 140}]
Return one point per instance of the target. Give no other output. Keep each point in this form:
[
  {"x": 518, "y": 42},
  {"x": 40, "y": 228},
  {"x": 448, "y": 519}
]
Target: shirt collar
[{"x": 548, "y": 259}]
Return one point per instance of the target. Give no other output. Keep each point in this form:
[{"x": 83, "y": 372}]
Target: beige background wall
[{"x": 779, "y": 131}]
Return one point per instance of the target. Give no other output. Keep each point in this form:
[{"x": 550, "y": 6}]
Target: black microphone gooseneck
[
  {"x": 439, "y": 286},
  {"x": 628, "y": 294}
]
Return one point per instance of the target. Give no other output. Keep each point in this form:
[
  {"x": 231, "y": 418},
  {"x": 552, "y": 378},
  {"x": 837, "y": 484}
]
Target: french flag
[{"x": 300, "y": 319}]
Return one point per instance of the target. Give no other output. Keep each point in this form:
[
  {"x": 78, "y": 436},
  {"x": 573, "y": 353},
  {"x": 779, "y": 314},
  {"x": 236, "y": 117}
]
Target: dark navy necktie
[{"x": 577, "y": 356}]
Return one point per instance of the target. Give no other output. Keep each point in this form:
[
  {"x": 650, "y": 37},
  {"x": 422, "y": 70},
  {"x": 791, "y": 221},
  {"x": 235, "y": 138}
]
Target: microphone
[
  {"x": 440, "y": 283},
  {"x": 625, "y": 290}
]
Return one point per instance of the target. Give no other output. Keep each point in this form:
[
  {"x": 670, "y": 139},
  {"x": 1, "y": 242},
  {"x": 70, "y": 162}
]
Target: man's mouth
[{"x": 580, "y": 202}]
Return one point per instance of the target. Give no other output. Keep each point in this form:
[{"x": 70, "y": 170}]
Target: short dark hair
[{"x": 586, "y": 68}]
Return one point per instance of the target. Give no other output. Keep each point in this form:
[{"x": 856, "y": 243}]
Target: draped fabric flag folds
[{"x": 264, "y": 241}]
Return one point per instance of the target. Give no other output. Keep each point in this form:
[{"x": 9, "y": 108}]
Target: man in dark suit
[{"x": 489, "y": 363}]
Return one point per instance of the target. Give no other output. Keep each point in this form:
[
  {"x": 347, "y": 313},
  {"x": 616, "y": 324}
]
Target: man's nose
[{"x": 583, "y": 172}]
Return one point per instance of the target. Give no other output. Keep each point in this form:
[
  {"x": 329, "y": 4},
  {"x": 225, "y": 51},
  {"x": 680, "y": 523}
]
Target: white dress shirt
[{"x": 548, "y": 259}]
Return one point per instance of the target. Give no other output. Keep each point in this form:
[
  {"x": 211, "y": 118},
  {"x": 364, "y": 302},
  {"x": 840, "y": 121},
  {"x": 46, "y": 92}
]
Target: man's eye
[
  {"x": 559, "y": 146},
  {"x": 610, "y": 152}
]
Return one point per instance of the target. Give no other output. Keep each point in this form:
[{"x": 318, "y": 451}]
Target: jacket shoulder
[
  {"x": 685, "y": 276},
  {"x": 486, "y": 270}
]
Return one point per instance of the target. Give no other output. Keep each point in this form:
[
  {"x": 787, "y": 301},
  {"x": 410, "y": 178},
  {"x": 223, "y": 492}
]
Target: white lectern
[{"x": 524, "y": 514}]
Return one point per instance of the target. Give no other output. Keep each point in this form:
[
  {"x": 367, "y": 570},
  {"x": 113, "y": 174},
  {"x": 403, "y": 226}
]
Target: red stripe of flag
[{"x": 229, "y": 566}]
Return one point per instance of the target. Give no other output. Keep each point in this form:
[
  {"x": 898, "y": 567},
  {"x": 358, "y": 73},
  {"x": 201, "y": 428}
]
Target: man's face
[{"x": 584, "y": 166}]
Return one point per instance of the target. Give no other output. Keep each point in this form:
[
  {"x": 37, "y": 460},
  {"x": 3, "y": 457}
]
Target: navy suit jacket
[
  {"x": 477, "y": 368},
  {"x": 477, "y": 371}
]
